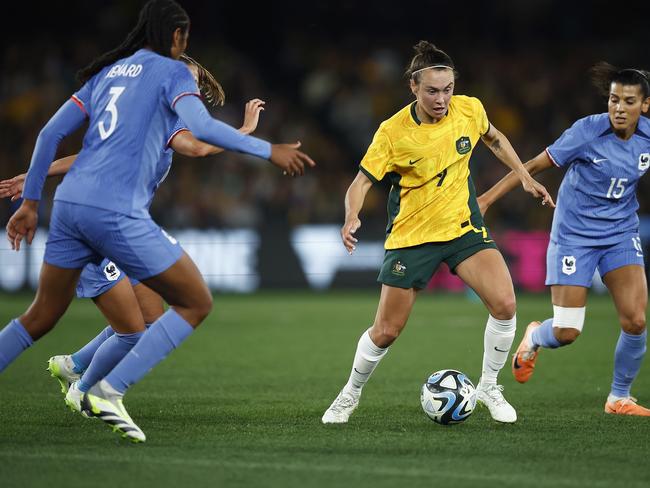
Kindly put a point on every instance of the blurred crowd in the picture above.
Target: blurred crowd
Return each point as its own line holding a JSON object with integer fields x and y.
{"x": 330, "y": 92}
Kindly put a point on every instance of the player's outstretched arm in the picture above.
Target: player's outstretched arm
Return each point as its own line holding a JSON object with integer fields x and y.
{"x": 287, "y": 157}
{"x": 186, "y": 144}
{"x": 13, "y": 187}
{"x": 536, "y": 165}
{"x": 354, "y": 199}
{"x": 22, "y": 224}
{"x": 502, "y": 149}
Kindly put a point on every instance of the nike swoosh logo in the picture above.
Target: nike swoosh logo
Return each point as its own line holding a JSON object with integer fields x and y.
{"x": 359, "y": 372}
{"x": 500, "y": 350}
{"x": 596, "y": 161}
{"x": 413, "y": 162}
{"x": 515, "y": 363}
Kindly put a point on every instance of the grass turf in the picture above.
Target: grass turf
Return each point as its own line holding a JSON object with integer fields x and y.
{"x": 239, "y": 404}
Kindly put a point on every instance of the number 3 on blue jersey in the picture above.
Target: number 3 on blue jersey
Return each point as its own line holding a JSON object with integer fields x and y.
{"x": 111, "y": 108}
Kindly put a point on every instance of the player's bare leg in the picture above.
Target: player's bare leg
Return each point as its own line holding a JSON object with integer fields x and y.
{"x": 183, "y": 288}
{"x": 487, "y": 274}
{"x": 151, "y": 304}
{"x": 56, "y": 288}
{"x": 395, "y": 305}
{"x": 629, "y": 290}
{"x": 568, "y": 297}
{"x": 560, "y": 330}
{"x": 127, "y": 308}
{"x": 55, "y": 291}
{"x": 120, "y": 308}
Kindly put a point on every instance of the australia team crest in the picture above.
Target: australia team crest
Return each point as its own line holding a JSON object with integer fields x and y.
{"x": 463, "y": 145}
{"x": 399, "y": 268}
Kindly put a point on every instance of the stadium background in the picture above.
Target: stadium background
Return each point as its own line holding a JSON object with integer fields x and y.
{"x": 330, "y": 73}
{"x": 239, "y": 404}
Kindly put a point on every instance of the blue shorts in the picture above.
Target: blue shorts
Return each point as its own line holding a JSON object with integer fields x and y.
{"x": 575, "y": 265}
{"x": 96, "y": 279}
{"x": 80, "y": 235}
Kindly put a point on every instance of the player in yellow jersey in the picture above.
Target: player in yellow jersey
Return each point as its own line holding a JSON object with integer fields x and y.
{"x": 433, "y": 217}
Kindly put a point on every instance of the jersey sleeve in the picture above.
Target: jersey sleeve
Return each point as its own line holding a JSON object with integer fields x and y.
{"x": 481, "y": 118}
{"x": 81, "y": 98}
{"x": 568, "y": 146}
{"x": 180, "y": 83}
{"x": 375, "y": 164}
{"x": 178, "y": 127}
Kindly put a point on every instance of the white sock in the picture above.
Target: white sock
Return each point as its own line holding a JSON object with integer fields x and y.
{"x": 497, "y": 341}
{"x": 366, "y": 359}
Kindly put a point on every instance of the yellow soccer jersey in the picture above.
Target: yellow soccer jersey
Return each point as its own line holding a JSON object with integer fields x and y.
{"x": 432, "y": 196}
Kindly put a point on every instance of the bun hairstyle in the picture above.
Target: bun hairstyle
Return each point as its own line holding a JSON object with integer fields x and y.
{"x": 604, "y": 74}
{"x": 428, "y": 56}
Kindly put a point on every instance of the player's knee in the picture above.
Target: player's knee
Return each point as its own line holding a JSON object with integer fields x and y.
{"x": 505, "y": 308}
{"x": 386, "y": 333}
{"x": 635, "y": 324}
{"x": 566, "y": 335}
{"x": 568, "y": 323}
{"x": 203, "y": 306}
{"x": 39, "y": 320}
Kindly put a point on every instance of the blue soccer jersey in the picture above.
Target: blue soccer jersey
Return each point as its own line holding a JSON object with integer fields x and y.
{"x": 121, "y": 151}
{"x": 164, "y": 162}
{"x": 97, "y": 279}
{"x": 597, "y": 204}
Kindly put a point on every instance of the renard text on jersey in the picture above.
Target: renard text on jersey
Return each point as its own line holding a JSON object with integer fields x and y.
{"x": 130, "y": 70}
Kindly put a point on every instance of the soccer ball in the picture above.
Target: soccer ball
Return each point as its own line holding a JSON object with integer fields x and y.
{"x": 448, "y": 397}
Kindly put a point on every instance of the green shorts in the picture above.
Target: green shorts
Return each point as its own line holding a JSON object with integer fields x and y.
{"x": 413, "y": 267}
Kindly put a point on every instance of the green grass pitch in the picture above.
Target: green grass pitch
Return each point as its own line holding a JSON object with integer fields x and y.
{"x": 239, "y": 404}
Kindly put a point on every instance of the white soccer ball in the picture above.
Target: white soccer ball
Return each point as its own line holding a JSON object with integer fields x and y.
{"x": 448, "y": 397}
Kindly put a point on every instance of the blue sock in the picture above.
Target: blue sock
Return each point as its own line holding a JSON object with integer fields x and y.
{"x": 630, "y": 350}
{"x": 83, "y": 356}
{"x": 108, "y": 354}
{"x": 164, "y": 335}
{"x": 543, "y": 336}
{"x": 14, "y": 339}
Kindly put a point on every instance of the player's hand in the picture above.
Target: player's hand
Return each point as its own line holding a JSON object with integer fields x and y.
{"x": 291, "y": 161}
{"x": 13, "y": 187}
{"x": 252, "y": 115}
{"x": 483, "y": 204}
{"x": 22, "y": 224}
{"x": 537, "y": 190}
{"x": 347, "y": 233}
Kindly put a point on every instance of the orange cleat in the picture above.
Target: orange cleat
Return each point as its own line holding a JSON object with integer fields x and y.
{"x": 626, "y": 406}
{"x": 523, "y": 361}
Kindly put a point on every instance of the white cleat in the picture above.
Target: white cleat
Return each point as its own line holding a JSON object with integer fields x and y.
{"x": 73, "y": 398}
{"x": 492, "y": 397}
{"x": 103, "y": 402}
{"x": 340, "y": 409}
{"x": 62, "y": 369}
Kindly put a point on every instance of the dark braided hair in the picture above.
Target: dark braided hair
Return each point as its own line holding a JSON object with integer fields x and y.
{"x": 211, "y": 89}
{"x": 426, "y": 55}
{"x": 604, "y": 74}
{"x": 155, "y": 29}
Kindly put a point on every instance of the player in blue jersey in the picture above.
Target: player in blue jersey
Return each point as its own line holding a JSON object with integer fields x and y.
{"x": 131, "y": 97}
{"x": 595, "y": 226}
{"x": 125, "y": 302}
